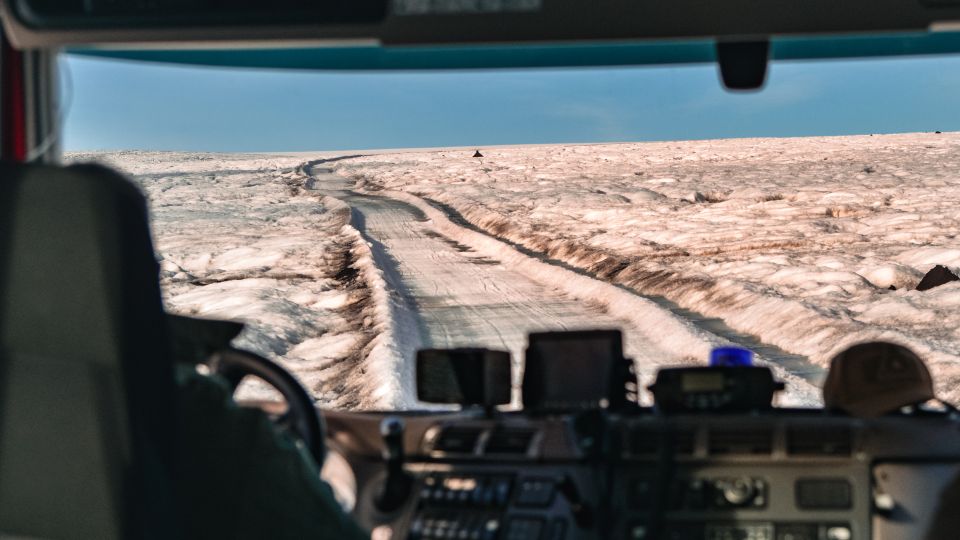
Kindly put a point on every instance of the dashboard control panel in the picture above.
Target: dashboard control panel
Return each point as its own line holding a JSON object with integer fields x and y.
{"x": 487, "y": 506}
{"x": 749, "y": 479}
{"x": 797, "y": 476}
{"x": 747, "y": 531}
{"x": 703, "y": 493}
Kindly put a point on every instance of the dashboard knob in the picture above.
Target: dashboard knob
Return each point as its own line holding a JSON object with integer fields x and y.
{"x": 738, "y": 491}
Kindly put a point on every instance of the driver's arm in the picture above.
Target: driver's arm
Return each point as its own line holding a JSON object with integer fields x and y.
{"x": 946, "y": 520}
{"x": 239, "y": 478}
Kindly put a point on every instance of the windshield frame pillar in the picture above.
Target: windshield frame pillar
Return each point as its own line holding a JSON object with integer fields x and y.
{"x": 30, "y": 116}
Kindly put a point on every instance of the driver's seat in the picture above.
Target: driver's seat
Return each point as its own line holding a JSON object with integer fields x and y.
{"x": 86, "y": 386}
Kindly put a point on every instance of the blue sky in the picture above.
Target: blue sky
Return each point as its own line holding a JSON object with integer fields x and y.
{"x": 127, "y": 105}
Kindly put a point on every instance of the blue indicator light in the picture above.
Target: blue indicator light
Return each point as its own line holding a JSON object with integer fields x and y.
{"x": 731, "y": 357}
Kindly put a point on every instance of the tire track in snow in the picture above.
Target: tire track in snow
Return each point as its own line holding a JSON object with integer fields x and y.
{"x": 794, "y": 363}
{"x": 656, "y": 331}
{"x": 450, "y": 295}
{"x": 687, "y": 335}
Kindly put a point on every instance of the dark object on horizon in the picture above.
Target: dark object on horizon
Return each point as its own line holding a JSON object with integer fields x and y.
{"x": 477, "y": 154}
{"x": 877, "y": 378}
{"x": 892, "y": 287}
{"x": 937, "y": 276}
{"x": 937, "y": 132}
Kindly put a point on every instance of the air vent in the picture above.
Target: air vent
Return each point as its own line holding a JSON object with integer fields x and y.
{"x": 458, "y": 440}
{"x": 648, "y": 441}
{"x": 819, "y": 440}
{"x": 741, "y": 440}
{"x": 507, "y": 441}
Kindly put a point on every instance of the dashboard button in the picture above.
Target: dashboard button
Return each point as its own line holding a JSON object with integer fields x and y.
{"x": 476, "y": 494}
{"x": 641, "y": 493}
{"x": 824, "y": 494}
{"x": 696, "y": 496}
{"x": 738, "y": 491}
{"x": 798, "y": 531}
{"x": 524, "y": 529}
{"x": 637, "y": 532}
{"x": 501, "y": 491}
{"x": 839, "y": 533}
{"x": 536, "y": 492}
{"x": 490, "y": 529}
{"x": 489, "y": 495}
{"x": 558, "y": 530}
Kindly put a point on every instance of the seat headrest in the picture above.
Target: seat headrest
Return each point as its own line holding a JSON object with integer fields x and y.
{"x": 80, "y": 307}
{"x": 78, "y": 262}
{"x": 876, "y": 378}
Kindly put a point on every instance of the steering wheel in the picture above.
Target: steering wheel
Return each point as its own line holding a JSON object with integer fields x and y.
{"x": 301, "y": 419}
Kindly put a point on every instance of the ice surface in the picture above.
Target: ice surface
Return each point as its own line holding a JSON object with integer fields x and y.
{"x": 240, "y": 239}
{"x": 789, "y": 244}
{"x": 794, "y": 241}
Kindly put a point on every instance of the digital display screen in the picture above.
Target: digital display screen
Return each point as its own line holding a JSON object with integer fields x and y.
{"x": 571, "y": 370}
{"x": 702, "y": 382}
{"x": 460, "y": 484}
{"x": 463, "y": 376}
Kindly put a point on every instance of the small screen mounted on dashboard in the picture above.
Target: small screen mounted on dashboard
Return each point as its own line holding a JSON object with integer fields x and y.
{"x": 702, "y": 382}
{"x": 574, "y": 371}
{"x": 463, "y": 376}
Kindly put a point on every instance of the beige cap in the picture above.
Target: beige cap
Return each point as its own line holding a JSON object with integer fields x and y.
{"x": 873, "y": 379}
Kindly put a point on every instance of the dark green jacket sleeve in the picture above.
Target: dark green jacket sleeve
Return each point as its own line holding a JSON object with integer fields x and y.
{"x": 238, "y": 478}
{"x": 946, "y": 520}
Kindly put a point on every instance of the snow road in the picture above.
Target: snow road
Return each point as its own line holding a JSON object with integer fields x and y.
{"x": 343, "y": 289}
{"x": 458, "y": 297}
{"x": 794, "y": 241}
{"x": 457, "y": 287}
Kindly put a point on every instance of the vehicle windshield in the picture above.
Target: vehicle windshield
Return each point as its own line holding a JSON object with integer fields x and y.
{"x": 351, "y": 219}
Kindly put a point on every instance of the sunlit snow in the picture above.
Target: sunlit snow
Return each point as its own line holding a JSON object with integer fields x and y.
{"x": 794, "y": 247}
{"x": 793, "y": 241}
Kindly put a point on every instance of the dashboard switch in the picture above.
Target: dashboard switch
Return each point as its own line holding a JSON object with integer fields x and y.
{"x": 641, "y": 493}
{"x": 558, "y": 530}
{"x": 696, "y": 496}
{"x": 740, "y": 492}
{"x": 839, "y": 533}
{"x": 536, "y": 492}
{"x": 490, "y": 529}
{"x": 524, "y": 529}
{"x": 581, "y": 510}
{"x": 824, "y": 494}
{"x": 501, "y": 491}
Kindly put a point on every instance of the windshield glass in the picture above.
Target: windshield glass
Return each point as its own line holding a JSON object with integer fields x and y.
{"x": 351, "y": 219}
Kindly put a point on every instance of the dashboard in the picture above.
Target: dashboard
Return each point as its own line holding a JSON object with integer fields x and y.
{"x": 786, "y": 474}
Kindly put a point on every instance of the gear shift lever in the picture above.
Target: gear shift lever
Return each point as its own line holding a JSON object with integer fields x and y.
{"x": 396, "y": 488}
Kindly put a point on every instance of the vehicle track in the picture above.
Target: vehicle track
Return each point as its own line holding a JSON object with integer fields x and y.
{"x": 459, "y": 297}
{"x": 794, "y": 363}
{"x": 462, "y": 298}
